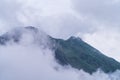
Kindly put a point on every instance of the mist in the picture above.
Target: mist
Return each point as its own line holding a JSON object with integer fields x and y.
{"x": 27, "y": 60}
{"x": 96, "y": 22}
{"x": 65, "y": 18}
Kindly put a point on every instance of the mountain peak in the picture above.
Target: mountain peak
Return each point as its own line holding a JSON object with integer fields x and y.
{"x": 75, "y": 38}
{"x": 80, "y": 55}
{"x": 27, "y": 35}
{"x": 74, "y": 51}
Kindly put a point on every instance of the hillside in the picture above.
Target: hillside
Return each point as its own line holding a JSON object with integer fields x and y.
{"x": 80, "y": 55}
{"x": 74, "y": 51}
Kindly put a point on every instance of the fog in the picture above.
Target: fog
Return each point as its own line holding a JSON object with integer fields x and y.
{"x": 27, "y": 60}
{"x": 65, "y": 18}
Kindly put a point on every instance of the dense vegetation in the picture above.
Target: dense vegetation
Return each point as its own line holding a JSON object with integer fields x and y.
{"x": 80, "y": 55}
{"x": 74, "y": 52}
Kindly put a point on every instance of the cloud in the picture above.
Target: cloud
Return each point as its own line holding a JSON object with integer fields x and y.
{"x": 48, "y": 15}
{"x": 24, "y": 13}
{"x": 107, "y": 41}
{"x": 64, "y": 18}
{"x": 96, "y": 21}
{"x": 67, "y": 16}
{"x": 31, "y": 61}
{"x": 103, "y": 11}
{"x": 104, "y": 17}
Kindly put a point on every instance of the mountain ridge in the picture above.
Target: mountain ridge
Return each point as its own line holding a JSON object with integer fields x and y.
{"x": 73, "y": 51}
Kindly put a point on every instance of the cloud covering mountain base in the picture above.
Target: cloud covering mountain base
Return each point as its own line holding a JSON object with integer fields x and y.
{"x": 19, "y": 61}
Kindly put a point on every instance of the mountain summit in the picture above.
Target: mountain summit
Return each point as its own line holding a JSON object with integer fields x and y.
{"x": 74, "y": 51}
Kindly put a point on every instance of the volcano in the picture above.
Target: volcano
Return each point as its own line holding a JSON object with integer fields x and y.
{"x": 73, "y": 51}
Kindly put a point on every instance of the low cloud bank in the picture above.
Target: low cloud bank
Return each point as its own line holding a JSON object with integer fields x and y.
{"x": 30, "y": 61}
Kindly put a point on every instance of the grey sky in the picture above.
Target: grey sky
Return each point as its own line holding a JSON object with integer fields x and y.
{"x": 76, "y": 15}
{"x": 95, "y": 21}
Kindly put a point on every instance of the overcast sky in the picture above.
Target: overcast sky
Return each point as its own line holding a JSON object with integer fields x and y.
{"x": 95, "y": 21}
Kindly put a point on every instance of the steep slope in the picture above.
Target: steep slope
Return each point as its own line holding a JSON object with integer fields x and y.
{"x": 74, "y": 51}
{"x": 81, "y": 55}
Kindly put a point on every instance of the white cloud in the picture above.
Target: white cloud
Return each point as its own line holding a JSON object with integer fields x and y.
{"x": 59, "y": 18}
{"x": 33, "y": 62}
{"x": 104, "y": 17}
{"x": 63, "y": 18}
{"x": 107, "y": 41}
{"x": 52, "y": 16}
{"x": 104, "y": 11}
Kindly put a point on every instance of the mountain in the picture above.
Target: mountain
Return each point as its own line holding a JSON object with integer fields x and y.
{"x": 73, "y": 51}
{"x": 16, "y": 34}
{"x": 80, "y": 55}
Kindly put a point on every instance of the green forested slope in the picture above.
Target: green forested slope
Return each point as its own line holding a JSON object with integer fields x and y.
{"x": 81, "y": 55}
